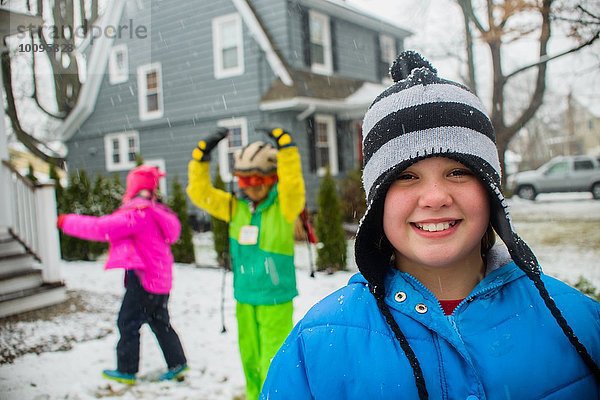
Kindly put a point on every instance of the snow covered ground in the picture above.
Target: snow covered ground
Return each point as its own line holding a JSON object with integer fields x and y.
{"x": 76, "y": 345}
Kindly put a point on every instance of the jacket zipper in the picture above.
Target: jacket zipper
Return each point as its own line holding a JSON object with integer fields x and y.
{"x": 467, "y": 299}
{"x": 419, "y": 284}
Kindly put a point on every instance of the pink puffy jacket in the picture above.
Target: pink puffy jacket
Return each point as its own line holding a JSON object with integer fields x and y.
{"x": 140, "y": 234}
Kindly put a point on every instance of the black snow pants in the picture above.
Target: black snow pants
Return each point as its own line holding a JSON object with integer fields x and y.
{"x": 139, "y": 307}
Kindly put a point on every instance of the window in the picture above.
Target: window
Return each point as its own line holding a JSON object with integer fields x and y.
{"x": 237, "y": 138}
{"x": 228, "y": 51}
{"x": 583, "y": 165}
{"x": 387, "y": 54}
{"x": 120, "y": 150}
{"x": 325, "y": 145}
{"x": 118, "y": 65}
{"x": 150, "y": 95}
{"x": 558, "y": 168}
{"x": 320, "y": 43}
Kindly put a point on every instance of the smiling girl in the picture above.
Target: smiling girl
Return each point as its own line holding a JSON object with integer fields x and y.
{"x": 438, "y": 311}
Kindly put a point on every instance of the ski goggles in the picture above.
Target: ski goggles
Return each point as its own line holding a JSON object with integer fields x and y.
{"x": 256, "y": 180}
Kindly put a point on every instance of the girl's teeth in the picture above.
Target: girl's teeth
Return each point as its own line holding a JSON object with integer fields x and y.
{"x": 435, "y": 227}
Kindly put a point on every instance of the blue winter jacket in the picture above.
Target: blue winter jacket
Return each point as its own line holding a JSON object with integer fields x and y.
{"x": 501, "y": 342}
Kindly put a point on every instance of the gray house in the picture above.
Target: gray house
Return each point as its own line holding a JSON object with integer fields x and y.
{"x": 166, "y": 73}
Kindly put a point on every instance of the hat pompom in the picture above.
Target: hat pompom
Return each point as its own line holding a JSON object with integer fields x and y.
{"x": 406, "y": 62}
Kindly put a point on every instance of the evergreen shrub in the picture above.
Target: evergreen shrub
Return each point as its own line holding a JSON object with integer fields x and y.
{"x": 183, "y": 249}
{"x": 331, "y": 251}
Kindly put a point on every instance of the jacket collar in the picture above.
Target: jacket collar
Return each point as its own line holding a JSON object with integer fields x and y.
{"x": 266, "y": 203}
{"x": 500, "y": 270}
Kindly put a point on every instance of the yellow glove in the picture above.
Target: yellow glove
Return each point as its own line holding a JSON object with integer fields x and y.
{"x": 202, "y": 151}
{"x": 282, "y": 138}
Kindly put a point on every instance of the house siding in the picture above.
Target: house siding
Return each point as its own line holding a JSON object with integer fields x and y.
{"x": 180, "y": 39}
{"x": 358, "y": 58}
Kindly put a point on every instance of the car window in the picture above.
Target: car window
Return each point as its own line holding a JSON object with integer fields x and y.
{"x": 558, "y": 168}
{"x": 583, "y": 165}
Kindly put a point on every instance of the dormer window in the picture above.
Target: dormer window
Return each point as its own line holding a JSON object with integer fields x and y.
{"x": 118, "y": 65}
{"x": 228, "y": 49}
{"x": 320, "y": 43}
{"x": 387, "y": 55}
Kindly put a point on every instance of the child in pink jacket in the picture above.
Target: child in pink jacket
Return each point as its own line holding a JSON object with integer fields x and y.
{"x": 140, "y": 234}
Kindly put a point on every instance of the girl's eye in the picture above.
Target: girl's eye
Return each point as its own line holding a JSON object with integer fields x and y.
{"x": 406, "y": 176}
{"x": 460, "y": 172}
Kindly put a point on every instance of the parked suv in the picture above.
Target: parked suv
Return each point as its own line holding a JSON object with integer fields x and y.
{"x": 560, "y": 174}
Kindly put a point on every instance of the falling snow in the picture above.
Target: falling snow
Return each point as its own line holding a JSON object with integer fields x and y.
{"x": 75, "y": 347}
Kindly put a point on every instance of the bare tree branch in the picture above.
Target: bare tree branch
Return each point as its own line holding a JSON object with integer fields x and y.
{"x": 467, "y": 8}
{"x": 540, "y": 84}
{"x": 27, "y": 139}
{"x": 34, "y": 95}
{"x": 501, "y": 32}
{"x": 547, "y": 58}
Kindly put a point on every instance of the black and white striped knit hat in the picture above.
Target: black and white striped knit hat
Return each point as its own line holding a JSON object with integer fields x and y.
{"x": 420, "y": 116}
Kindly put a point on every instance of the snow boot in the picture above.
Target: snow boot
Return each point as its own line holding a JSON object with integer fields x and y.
{"x": 116, "y": 375}
{"x": 175, "y": 374}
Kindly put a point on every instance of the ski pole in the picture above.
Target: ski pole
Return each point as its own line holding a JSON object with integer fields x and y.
{"x": 310, "y": 258}
{"x": 223, "y": 329}
{"x": 227, "y": 259}
{"x": 310, "y": 238}
{"x": 226, "y": 256}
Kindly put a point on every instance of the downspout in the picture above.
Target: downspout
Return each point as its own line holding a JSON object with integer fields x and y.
{"x": 306, "y": 113}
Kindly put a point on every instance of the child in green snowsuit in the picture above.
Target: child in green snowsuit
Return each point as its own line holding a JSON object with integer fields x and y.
{"x": 261, "y": 237}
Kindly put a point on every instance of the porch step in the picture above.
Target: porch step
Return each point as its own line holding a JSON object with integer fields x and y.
{"x": 20, "y": 280}
{"x": 31, "y": 299}
{"x": 4, "y": 233}
{"x": 16, "y": 262}
{"x": 10, "y": 246}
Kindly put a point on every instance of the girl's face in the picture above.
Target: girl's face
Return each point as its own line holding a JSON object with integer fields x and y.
{"x": 435, "y": 215}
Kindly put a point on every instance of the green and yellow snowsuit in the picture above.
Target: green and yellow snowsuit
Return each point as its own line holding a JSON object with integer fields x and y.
{"x": 263, "y": 272}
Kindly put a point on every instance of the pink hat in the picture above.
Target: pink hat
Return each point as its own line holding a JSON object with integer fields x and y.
{"x": 140, "y": 178}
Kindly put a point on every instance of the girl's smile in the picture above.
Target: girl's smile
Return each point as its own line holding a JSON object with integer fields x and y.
{"x": 436, "y": 227}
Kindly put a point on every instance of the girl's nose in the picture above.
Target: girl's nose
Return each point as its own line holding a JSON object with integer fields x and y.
{"x": 435, "y": 195}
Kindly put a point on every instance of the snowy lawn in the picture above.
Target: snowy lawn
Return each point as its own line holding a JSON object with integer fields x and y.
{"x": 75, "y": 345}
{"x": 195, "y": 303}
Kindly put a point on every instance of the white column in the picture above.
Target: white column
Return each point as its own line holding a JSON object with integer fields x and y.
{"x": 48, "y": 242}
{"x": 5, "y": 187}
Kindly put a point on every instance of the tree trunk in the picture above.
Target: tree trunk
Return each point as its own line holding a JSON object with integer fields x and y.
{"x": 29, "y": 141}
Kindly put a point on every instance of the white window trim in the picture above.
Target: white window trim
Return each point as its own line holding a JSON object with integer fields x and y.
{"x": 123, "y": 137}
{"x": 142, "y": 102}
{"x": 329, "y": 120}
{"x": 327, "y": 67}
{"x": 116, "y": 75}
{"x": 382, "y": 38}
{"x": 219, "y": 71}
{"x": 223, "y": 149}
{"x": 162, "y": 182}
{"x": 392, "y": 41}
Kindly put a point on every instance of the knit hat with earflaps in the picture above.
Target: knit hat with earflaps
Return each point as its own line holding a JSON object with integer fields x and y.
{"x": 420, "y": 116}
{"x": 257, "y": 158}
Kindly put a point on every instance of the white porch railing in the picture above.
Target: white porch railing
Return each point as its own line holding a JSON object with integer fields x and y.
{"x": 34, "y": 220}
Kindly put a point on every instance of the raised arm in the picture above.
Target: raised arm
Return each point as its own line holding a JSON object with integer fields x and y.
{"x": 292, "y": 195}
{"x": 200, "y": 190}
